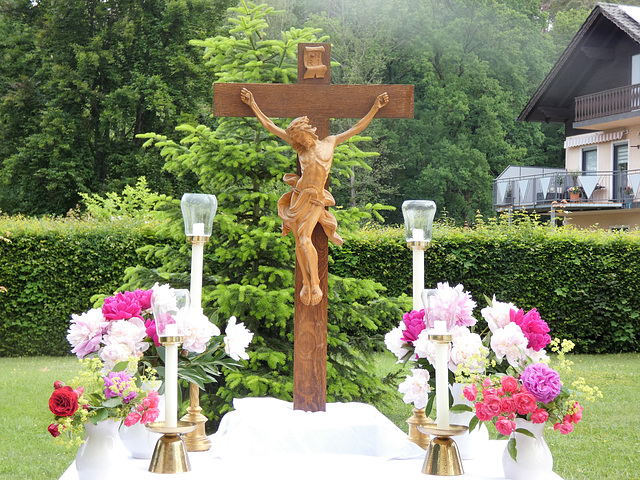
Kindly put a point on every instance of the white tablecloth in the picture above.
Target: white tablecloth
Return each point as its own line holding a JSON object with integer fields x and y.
{"x": 266, "y": 439}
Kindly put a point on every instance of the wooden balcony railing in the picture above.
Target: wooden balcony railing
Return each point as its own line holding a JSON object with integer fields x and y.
{"x": 610, "y": 102}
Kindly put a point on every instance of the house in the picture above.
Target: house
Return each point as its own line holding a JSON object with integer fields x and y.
{"x": 594, "y": 90}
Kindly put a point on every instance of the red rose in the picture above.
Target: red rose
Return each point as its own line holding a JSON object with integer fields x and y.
{"x": 53, "y": 429}
{"x": 63, "y": 402}
{"x": 505, "y": 426}
{"x": 470, "y": 392}
{"x": 493, "y": 404}
{"x": 483, "y": 413}
{"x": 57, "y": 384}
{"x": 509, "y": 383}
{"x": 507, "y": 405}
{"x": 539, "y": 416}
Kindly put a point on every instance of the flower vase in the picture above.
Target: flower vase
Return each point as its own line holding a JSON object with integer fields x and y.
{"x": 470, "y": 444}
{"x": 534, "y": 459}
{"x": 138, "y": 439}
{"x": 102, "y": 454}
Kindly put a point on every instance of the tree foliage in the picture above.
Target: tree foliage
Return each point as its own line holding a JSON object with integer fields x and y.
{"x": 79, "y": 80}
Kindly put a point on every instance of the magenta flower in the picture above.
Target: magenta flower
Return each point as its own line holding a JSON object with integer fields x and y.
{"x": 542, "y": 381}
{"x": 121, "y": 307}
{"x": 414, "y": 324}
{"x": 152, "y": 332}
{"x": 534, "y": 328}
{"x": 119, "y": 384}
{"x": 143, "y": 297}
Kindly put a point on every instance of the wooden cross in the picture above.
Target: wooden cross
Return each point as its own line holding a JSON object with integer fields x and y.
{"x": 313, "y": 96}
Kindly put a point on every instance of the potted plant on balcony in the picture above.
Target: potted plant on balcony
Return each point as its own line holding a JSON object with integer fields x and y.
{"x": 574, "y": 193}
{"x": 628, "y": 194}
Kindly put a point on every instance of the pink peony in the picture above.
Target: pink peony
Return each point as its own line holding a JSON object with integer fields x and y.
{"x": 152, "y": 333}
{"x": 509, "y": 384}
{"x": 143, "y": 297}
{"x": 121, "y": 307}
{"x": 525, "y": 403}
{"x": 542, "y": 381}
{"x": 540, "y": 416}
{"x": 132, "y": 419}
{"x": 452, "y": 305}
{"x": 413, "y": 325}
{"x": 85, "y": 332}
{"x": 498, "y": 314}
{"x": 470, "y": 392}
{"x": 510, "y": 342}
{"x": 505, "y": 426}
{"x": 534, "y": 328}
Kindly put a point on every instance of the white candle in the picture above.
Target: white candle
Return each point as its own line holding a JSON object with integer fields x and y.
{"x": 197, "y": 260}
{"x": 442, "y": 384}
{"x": 418, "y": 278}
{"x": 170, "y": 330}
{"x": 417, "y": 235}
{"x": 198, "y": 229}
{"x": 439, "y": 327}
{"x": 171, "y": 385}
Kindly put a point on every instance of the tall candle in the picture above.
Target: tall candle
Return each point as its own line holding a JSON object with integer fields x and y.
{"x": 418, "y": 278}
{"x": 442, "y": 383}
{"x": 417, "y": 235}
{"x": 195, "y": 290}
{"x": 171, "y": 385}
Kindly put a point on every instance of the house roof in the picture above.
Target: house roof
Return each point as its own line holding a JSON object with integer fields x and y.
{"x": 598, "y": 36}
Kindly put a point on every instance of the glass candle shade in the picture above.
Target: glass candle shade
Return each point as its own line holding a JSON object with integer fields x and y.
{"x": 169, "y": 306}
{"x": 198, "y": 211}
{"x": 418, "y": 221}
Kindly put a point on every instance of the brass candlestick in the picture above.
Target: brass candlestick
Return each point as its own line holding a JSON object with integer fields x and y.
{"x": 443, "y": 457}
{"x": 197, "y": 440}
{"x": 170, "y": 454}
{"x": 416, "y": 420}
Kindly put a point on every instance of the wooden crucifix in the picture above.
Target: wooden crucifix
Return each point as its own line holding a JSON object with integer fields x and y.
{"x": 316, "y": 101}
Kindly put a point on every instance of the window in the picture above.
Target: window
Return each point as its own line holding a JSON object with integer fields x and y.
{"x": 590, "y": 160}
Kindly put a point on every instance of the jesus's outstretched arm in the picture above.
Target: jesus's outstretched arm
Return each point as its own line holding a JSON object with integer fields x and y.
{"x": 247, "y": 97}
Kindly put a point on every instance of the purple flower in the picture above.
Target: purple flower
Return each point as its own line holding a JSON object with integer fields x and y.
{"x": 414, "y": 324}
{"x": 542, "y": 381}
{"x": 119, "y": 384}
{"x": 534, "y": 328}
{"x": 121, "y": 307}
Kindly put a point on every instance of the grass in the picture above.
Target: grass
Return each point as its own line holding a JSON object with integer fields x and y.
{"x": 604, "y": 445}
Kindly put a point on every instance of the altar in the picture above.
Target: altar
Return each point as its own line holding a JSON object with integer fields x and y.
{"x": 267, "y": 438}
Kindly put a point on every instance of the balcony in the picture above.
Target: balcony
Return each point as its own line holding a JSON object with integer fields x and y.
{"x": 613, "y": 105}
{"x": 526, "y": 188}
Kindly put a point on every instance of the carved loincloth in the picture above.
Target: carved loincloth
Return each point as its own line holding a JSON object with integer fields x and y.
{"x": 294, "y": 211}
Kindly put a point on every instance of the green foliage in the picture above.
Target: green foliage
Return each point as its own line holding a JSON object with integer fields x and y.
{"x": 51, "y": 268}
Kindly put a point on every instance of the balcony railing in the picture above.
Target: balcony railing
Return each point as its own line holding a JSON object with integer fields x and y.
{"x": 610, "y": 102}
{"x": 601, "y": 189}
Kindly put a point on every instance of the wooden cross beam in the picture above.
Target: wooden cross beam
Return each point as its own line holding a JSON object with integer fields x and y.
{"x": 314, "y": 97}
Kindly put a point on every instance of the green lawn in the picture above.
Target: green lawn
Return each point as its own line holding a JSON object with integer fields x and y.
{"x": 604, "y": 445}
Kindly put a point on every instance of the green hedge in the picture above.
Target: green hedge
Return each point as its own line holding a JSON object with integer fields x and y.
{"x": 51, "y": 269}
{"x": 583, "y": 283}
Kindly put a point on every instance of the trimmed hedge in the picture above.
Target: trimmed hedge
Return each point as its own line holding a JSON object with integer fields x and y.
{"x": 583, "y": 284}
{"x": 51, "y": 269}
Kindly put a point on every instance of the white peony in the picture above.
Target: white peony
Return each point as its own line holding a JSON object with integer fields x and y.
{"x": 131, "y": 332}
{"x": 424, "y": 347}
{"x": 510, "y": 342}
{"x": 416, "y": 388}
{"x": 197, "y": 330}
{"x": 238, "y": 337}
{"x": 467, "y": 350}
{"x": 395, "y": 344}
{"x": 114, "y": 353}
{"x": 498, "y": 315}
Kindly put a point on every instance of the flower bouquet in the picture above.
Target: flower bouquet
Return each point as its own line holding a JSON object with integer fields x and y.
{"x": 574, "y": 189}
{"x": 95, "y": 395}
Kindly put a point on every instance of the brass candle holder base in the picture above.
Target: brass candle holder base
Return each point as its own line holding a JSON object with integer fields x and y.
{"x": 443, "y": 457}
{"x": 419, "y": 419}
{"x": 170, "y": 454}
{"x": 197, "y": 440}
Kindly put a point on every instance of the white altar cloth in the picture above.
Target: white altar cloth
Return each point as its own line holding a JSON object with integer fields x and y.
{"x": 265, "y": 438}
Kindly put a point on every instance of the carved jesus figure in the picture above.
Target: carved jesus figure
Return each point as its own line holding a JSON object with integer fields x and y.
{"x": 304, "y": 206}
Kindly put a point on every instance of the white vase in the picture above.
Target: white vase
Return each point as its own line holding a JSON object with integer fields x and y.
{"x": 534, "y": 460}
{"x": 138, "y": 439}
{"x": 102, "y": 454}
{"x": 470, "y": 444}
